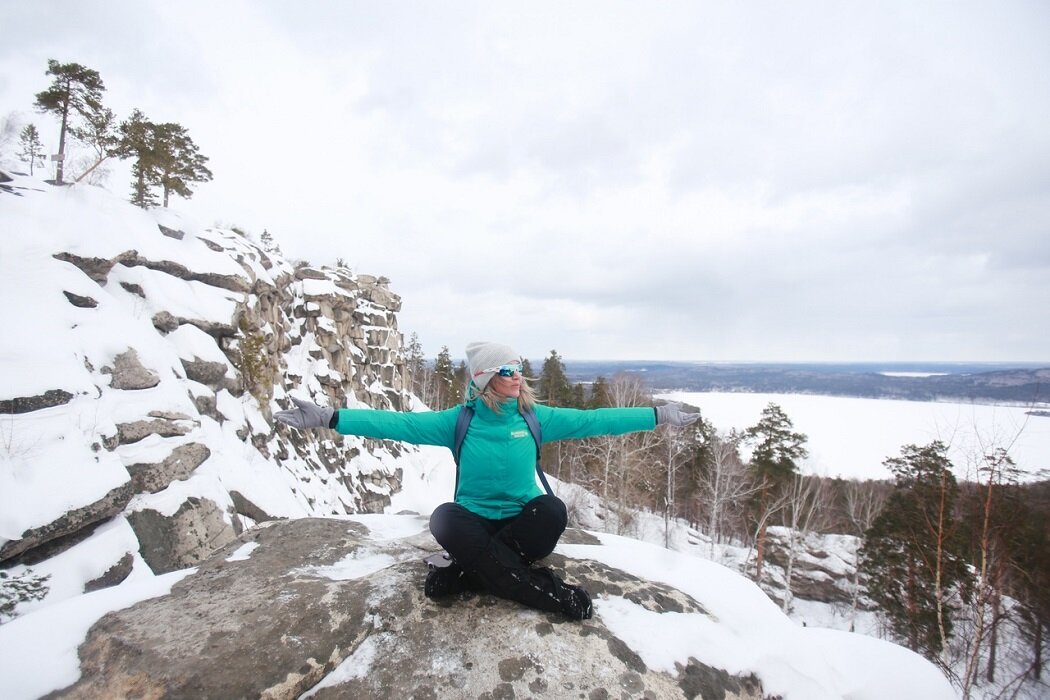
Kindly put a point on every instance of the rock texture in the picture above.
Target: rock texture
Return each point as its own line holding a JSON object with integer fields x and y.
{"x": 818, "y": 570}
{"x": 207, "y": 334}
{"x": 310, "y": 594}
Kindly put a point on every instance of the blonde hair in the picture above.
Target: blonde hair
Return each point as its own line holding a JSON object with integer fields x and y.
{"x": 526, "y": 397}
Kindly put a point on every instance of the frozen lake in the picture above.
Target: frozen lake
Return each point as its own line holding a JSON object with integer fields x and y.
{"x": 852, "y": 438}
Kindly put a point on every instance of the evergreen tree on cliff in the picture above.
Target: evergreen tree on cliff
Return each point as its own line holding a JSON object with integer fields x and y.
{"x": 599, "y": 394}
{"x": 416, "y": 368}
{"x": 445, "y": 378}
{"x": 773, "y": 462}
{"x": 137, "y": 141}
{"x": 554, "y": 388}
{"x": 32, "y": 149}
{"x": 75, "y": 91}
{"x": 165, "y": 157}
{"x": 180, "y": 163}
{"x": 911, "y": 554}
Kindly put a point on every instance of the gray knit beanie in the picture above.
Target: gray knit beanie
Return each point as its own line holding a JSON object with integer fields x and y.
{"x": 483, "y": 355}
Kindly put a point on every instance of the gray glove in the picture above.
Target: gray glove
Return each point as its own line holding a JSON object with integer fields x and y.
{"x": 305, "y": 415}
{"x": 671, "y": 414}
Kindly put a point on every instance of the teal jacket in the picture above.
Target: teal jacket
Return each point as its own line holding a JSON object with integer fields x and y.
{"x": 497, "y": 467}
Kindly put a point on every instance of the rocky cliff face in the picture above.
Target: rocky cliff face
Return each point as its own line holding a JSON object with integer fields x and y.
{"x": 142, "y": 367}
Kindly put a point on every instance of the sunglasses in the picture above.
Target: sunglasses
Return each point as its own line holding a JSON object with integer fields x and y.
{"x": 508, "y": 370}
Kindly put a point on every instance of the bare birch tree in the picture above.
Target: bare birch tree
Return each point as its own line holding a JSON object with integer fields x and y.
{"x": 998, "y": 472}
{"x": 807, "y": 498}
{"x": 864, "y": 501}
{"x": 723, "y": 481}
{"x": 625, "y": 461}
{"x": 769, "y": 506}
{"x": 678, "y": 445}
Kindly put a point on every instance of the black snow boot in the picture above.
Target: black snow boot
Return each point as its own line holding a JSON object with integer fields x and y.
{"x": 504, "y": 575}
{"x": 449, "y": 580}
{"x": 575, "y": 602}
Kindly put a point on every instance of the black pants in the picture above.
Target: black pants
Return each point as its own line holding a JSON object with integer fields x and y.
{"x": 532, "y": 534}
{"x": 499, "y": 552}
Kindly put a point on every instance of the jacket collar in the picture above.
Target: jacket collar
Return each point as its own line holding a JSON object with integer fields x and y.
{"x": 509, "y": 408}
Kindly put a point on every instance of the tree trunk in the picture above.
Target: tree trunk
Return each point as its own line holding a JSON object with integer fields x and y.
{"x": 938, "y": 586}
{"x": 984, "y": 593}
{"x": 87, "y": 172}
{"x": 1037, "y": 666}
{"x": 854, "y": 597}
{"x": 760, "y": 541}
{"x": 59, "y": 169}
{"x": 712, "y": 526}
{"x": 913, "y": 627}
{"x": 993, "y": 640}
{"x": 786, "y": 605}
{"x": 669, "y": 496}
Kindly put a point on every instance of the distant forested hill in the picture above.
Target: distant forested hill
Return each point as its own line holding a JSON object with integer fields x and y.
{"x": 911, "y": 381}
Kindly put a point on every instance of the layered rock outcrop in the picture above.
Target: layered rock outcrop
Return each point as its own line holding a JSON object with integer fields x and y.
{"x": 168, "y": 348}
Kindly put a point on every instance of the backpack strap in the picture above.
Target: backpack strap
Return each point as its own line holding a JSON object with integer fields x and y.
{"x": 466, "y": 414}
{"x": 537, "y": 435}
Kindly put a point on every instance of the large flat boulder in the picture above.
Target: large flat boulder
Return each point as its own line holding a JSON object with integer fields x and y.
{"x": 295, "y": 602}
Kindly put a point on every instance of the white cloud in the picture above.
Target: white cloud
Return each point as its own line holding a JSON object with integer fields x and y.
{"x": 804, "y": 181}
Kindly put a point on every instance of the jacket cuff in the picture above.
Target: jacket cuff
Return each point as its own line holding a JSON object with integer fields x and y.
{"x": 334, "y": 420}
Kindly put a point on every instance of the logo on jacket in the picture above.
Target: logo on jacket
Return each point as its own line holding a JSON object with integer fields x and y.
{"x": 519, "y": 433}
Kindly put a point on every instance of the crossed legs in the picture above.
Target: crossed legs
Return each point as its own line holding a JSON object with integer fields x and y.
{"x": 497, "y": 555}
{"x": 532, "y": 534}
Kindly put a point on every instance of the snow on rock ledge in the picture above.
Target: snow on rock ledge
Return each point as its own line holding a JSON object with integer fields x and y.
{"x": 149, "y": 357}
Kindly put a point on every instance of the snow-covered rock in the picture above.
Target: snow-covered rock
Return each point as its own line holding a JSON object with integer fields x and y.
{"x": 334, "y": 608}
{"x": 142, "y": 359}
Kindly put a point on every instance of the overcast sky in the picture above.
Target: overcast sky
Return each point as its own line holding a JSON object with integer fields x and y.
{"x": 672, "y": 180}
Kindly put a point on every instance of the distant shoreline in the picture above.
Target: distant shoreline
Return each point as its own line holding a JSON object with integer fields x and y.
{"x": 1022, "y": 384}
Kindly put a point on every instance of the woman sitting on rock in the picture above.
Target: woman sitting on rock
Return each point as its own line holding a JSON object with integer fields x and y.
{"x": 501, "y": 521}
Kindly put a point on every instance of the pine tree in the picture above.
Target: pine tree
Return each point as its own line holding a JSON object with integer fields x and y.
{"x": 416, "y": 368}
{"x": 271, "y": 246}
{"x": 32, "y": 148}
{"x": 445, "y": 379}
{"x": 553, "y": 387}
{"x": 911, "y": 555}
{"x": 1032, "y": 554}
{"x": 179, "y": 163}
{"x": 599, "y": 394}
{"x": 579, "y": 396}
{"x": 165, "y": 157}
{"x": 137, "y": 141}
{"x": 776, "y": 447}
{"x": 459, "y": 384}
{"x": 75, "y": 92}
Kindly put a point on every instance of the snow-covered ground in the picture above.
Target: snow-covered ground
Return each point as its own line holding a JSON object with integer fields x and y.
{"x": 743, "y": 633}
{"x": 851, "y": 437}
